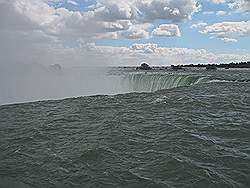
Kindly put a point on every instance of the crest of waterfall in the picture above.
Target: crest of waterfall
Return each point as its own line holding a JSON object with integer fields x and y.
{"x": 153, "y": 82}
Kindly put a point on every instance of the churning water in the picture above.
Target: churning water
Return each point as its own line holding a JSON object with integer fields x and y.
{"x": 187, "y": 129}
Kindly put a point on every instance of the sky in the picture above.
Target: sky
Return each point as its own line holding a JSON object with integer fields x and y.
{"x": 123, "y": 32}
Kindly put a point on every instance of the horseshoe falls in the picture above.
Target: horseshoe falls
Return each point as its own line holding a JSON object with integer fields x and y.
{"x": 153, "y": 82}
{"x": 146, "y": 129}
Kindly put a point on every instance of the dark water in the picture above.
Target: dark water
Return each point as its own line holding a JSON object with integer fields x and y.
{"x": 197, "y": 135}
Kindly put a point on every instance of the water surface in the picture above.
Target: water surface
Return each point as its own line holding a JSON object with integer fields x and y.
{"x": 187, "y": 129}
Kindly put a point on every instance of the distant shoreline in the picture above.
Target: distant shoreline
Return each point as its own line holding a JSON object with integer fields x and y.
{"x": 245, "y": 64}
{"x": 229, "y": 65}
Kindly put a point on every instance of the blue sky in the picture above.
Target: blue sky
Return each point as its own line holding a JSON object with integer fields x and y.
{"x": 190, "y": 37}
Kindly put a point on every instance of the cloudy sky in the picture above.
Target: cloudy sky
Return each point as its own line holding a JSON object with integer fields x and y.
{"x": 123, "y": 32}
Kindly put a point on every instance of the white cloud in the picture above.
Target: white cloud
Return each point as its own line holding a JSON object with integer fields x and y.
{"x": 110, "y": 10}
{"x": 167, "y": 30}
{"x": 238, "y": 5}
{"x": 228, "y": 31}
{"x": 218, "y": 1}
{"x": 199, "y": 25}
{"x": 72, "y": 2}
{"x": 226, "y": 40}
{"x": 221, "y": 13}
{"x": 208, "y": 12}
{"x": 154, "y": 54}
{"x": 144, "y": 48}
{"x": 135, "y": 31}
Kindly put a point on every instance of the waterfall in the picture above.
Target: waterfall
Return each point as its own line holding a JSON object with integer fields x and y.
{"x": 154, "y": 81}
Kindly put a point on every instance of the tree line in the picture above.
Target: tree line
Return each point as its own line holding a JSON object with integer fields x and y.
{"x": 245, "y": 64}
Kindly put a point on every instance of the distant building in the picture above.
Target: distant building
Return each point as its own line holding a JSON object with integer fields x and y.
{"x": 144, "y": 66}
{"x": 55, "y": 67}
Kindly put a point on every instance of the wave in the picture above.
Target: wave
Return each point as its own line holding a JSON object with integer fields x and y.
{"x": 155, "y": 82}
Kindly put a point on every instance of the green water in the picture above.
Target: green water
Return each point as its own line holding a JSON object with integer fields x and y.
{"x": 193, "y": 133}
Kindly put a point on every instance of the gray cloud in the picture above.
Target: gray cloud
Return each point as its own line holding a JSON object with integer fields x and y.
{"x": 174, "y": 10}
{"x": 240, "y": 5}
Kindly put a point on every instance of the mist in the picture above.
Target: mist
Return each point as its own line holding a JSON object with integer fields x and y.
{"x": 25, "y": 83}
